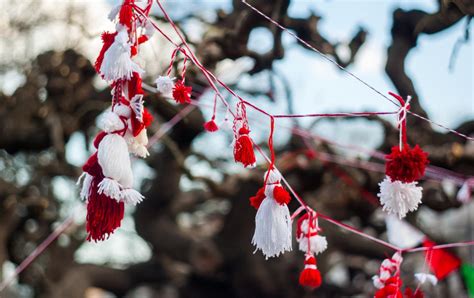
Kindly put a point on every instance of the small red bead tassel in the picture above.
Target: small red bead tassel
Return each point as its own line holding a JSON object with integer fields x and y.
{"x": 243, "y": 150}
{"x": 211, "y": 126}
{"x": 182, "y": 93}
{"x": 310, "y": 276}
{"x": 407, "y": 165}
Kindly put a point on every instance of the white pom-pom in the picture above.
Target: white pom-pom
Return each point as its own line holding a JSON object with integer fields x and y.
{"x": 114, "y": 12}
{"x": 274, "y": 176}
{"x": 272, "y": 228}
{"x": 318, "y": 244}
{"x": 131, "y": 196}
{"x": 114, "y": 160}
{"x": 110, "y": 122}
{"x": 122, "y": 110}
{"x": 164, "y": 85}
{"x": 86, "y": 185}
{"x": 424, "y": 277}
{"x": 110, "y": 188}
{"x": 117, "y": 63}
{"x": 399, "y": 198}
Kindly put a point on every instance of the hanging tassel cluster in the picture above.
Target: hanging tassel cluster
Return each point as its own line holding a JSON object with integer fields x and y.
{"x": 388, "y": 282}
{"x": 107, "y": 180}
{"x": 307, "y": 235}
{"x": 273, "y": 222}
{"x": 399, "y": 193}
{"x": 243, "y": 144}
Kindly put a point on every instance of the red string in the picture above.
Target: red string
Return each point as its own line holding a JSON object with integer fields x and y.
{"x": 352, "y": 114}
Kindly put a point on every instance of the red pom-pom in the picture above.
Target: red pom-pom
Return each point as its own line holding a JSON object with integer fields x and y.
{"x": 126, "y": 14}
{"x": 281, "y": 195}
{"x": 211, "y": 126}
{"x": 107, "y": 40}
{"x": 310, "y": 276}
{"x": 256, "y": 200}
{"x": 407, "y": 165}
{"x": 182, "y": 93}
{"x": 243, "y": 149}
{"x": 104, "y": 214}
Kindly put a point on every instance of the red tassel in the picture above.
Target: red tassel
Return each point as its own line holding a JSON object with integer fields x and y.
{"x": 407, "y": 165}
{"x": 310, "y": 276}
{"x": 182, "y": 93}
{"x": 256, "y": 200}
{"x": 107, "y": 40}
{"x": 441, "y": 261}
{"x": 211, "y": 126}
{"x": 281, "y": 195}
{"x": 392, "y": 288}
{"x": 104, "y": 214}
{"x": 243, "y": 150}
{"x": 126, "y": 14}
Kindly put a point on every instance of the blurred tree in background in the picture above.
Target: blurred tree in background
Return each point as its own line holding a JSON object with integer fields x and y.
{"x": 193, "y": 231}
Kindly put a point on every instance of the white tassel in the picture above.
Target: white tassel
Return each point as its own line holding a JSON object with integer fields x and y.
{"x": 137, "y": 145}
{"x": 114, "y": 160}
{"x": 272, "y": 228}
{"x": 110, "y": 188}
{"x": 318, "y": 244}
{"x": 424, "y": 277}
{"x": 110, "y": 122}
{"x": 114, "y": 12}
{"x": 399, "y": 198}
{"x": 117, "y": 63}
{"x": 86, "y": 185}
{"x": 164, "y": 85}
{"x": 131, "y": 196}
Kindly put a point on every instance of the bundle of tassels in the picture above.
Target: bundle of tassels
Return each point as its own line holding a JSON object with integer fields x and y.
{"x": 108, "y": 179}
{"x": 273, "y": 222}
{"x": 399, "y": 193}
{"x": 243, "y": 144}
{"x": 388, "y": 282}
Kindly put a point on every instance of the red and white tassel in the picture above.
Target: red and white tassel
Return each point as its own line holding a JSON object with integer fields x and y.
{"x": 310, "y": 276}
{"x": 243, "y": 144}
{"x": 399, "y": 193}
{"x": 117, "y": 61}
{"x": 273, "y": 222}
{"x": 388, "y": 282}
{"x": 307, "y": 235}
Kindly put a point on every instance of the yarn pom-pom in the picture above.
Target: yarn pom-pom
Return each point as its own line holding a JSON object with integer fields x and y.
{"x": 318, "y": 244}
{"x": 256, "y": 200}
{"x": 399, "y": 198}
{"x": 164, "y": 85}
{"x": 407, "y": 165}
{"x": 182, "y": 93}
{"x": 281, "y": 195}
{"x": 310, "y": 276}
{"x": 211, "y": 126}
